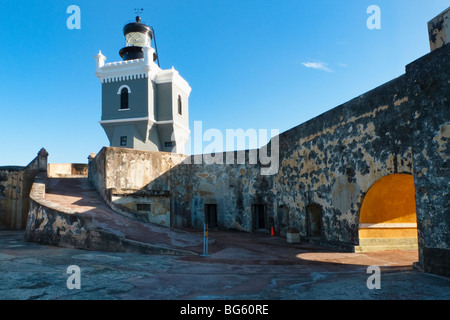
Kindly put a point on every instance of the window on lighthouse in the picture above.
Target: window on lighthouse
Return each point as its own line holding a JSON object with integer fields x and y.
{"x": 180, "y": 106}
{"x": 124, "y": 98}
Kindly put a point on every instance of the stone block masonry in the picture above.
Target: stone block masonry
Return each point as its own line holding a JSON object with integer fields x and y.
{"x": 15, "y": 186}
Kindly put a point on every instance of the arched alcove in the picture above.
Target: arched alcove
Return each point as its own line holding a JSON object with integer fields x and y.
{"x": 387, "y": 218}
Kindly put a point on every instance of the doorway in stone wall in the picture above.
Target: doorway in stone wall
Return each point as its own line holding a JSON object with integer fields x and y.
{"x": 211, "y": 215}
{"x": 259, "y": 215}
{"x": 387, "y": 219}
{"x": 314, "y": 220}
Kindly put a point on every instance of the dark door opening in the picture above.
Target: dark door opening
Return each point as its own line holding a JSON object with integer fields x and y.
{"x": 211, "y": 215}
{"x": 259, "y": 216}
{"x": 314, "y": 220}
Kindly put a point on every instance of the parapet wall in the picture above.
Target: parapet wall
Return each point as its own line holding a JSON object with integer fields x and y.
{"x": 51, "y": 224}
{"x": 135, "y": 183}
{"x": 68, "y": 170}
{"x": 15, "y": 186}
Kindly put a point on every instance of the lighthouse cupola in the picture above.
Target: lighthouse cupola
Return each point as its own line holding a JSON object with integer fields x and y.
{"x": 137, "y": 36}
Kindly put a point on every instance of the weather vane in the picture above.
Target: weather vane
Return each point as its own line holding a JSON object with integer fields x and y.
{"x": 138, "y": 11}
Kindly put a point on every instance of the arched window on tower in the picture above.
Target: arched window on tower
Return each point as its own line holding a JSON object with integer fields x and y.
{"x": 124, "y": 99}
{"x": 180, "y": 106}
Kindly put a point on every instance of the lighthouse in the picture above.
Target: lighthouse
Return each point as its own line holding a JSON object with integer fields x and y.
{"x": 143, "y": 106}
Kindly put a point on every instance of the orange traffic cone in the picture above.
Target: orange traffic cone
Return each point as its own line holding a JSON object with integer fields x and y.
{"x": 272, "y": 233}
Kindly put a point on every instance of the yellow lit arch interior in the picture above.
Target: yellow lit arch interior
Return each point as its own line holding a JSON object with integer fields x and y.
{"x": 389, "y": 212}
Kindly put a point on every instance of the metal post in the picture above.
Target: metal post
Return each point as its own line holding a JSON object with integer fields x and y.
{"x": 205, "y": 241}
{"x": 204, "y": 238}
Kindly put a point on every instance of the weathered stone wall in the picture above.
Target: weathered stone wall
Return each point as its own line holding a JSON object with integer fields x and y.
{"x": 96, "y": 172}
{"x": 15, "y": 186}
{"x": 331, "y": 161}
{"x": 126, "y": 178}
{"x": 234, "y": 188}
{"x": 327, "y": 164}
{"x": 400, "y": 127}
{"x": 120, "y": 168}
{"x": 177, "y": 189}
{"x": 14, "y": 189}
{"x": 429, "y": 80}
{"x": 61, "y": 170}
{"x": 439, "y": 30}
{"x": 334, "y": 159}
{"x": 51, "y": 224}
{"x": 144, "y": 205}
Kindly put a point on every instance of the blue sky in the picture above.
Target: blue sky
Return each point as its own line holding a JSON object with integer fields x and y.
{"x": 251, "y": 64}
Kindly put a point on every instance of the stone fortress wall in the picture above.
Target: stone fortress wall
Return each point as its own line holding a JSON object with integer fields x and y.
{"x": 398, "y": 132}
{"x": 329, "y": 186}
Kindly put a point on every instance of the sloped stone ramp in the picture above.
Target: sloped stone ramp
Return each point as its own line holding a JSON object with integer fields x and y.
{"x": 68, "y": 212}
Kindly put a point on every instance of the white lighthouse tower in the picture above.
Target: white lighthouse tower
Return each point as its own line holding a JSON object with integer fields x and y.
{"x": 143, "y": 106}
